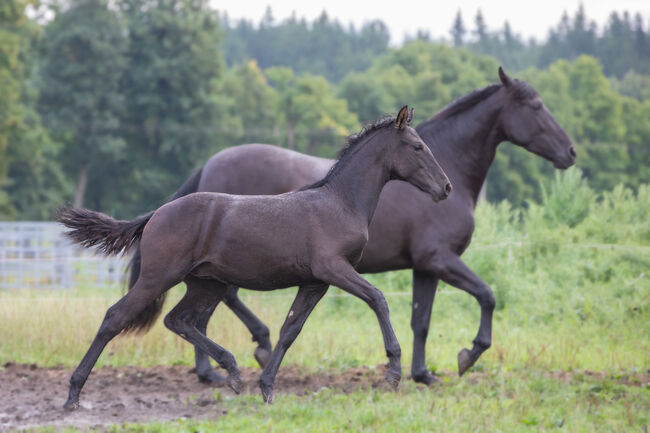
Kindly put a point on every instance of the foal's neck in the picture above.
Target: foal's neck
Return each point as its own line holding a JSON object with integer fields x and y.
{"x": 360, "y": 180}
{"x": 465, "y": 143}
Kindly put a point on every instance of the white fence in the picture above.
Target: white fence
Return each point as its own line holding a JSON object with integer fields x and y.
{"x": 37, "y": 255}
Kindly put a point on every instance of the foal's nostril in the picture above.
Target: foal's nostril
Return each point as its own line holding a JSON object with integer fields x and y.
{"x": 572, "y": 151}
{"x": 448, "y": 188}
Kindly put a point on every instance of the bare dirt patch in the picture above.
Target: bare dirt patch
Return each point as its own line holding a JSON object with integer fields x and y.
{"x": 31, "y": 396}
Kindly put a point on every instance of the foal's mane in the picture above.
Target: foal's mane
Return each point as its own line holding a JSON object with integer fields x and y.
{"x": 352, "y": 142}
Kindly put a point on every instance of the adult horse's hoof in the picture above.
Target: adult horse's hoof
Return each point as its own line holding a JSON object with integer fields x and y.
{"x": 425, "y": 377}
{"x": 235, "y": 383}
{"x": 211, "y": 377}
{"x": 262, "y": 356}
{"x": 393, "y": 378}
{"x": 464, "y": 361}
{"x": 71, "y": 405}
{"x": 267, "y": 393}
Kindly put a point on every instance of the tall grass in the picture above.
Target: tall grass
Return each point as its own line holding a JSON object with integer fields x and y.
{"x": 570, "y": 275}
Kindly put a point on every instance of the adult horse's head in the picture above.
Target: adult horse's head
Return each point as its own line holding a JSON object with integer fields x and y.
{"x": 413, "y": 162}
{"x": 526, "y": 122}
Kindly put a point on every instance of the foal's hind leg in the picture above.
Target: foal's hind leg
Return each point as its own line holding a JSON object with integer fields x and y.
{"x": 117, "y": 318}
{"x": 204, "y": 370}
{"x": 306, "y": 300}
{"x": 202, "y": 295}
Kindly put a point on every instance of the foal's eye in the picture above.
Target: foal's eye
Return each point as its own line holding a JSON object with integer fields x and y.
{"x": 536, "y": 105}
{"x": 419, "y": 147}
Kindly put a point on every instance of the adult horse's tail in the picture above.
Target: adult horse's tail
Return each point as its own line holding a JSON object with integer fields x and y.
{"x": 148, "y": 316}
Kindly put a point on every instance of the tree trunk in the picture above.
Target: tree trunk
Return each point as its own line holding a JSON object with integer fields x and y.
{"x": 80, "y": 190}
{"x": 291, "y": 136}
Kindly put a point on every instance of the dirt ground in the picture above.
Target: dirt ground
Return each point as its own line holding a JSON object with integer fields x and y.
{"x": 32, "y": 396}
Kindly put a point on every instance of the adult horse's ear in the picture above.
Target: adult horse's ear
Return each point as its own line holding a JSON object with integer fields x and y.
{"x": 408, "y": 119}
{"x": 505, "y": 79}
{"x": 402, "y": 117}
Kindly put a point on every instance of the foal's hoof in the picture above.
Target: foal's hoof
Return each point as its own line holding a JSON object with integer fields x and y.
{"x": 71, "y": 405}
{"x": 262, "y": 356}
{"x": 235, "y": 383}
{"x": 267, "y": 393}
{"x": 393, "y": 378}
{"x": 464, "y": 361}
{"x": 425, "y": 377}
{"x": 211, "y": 377}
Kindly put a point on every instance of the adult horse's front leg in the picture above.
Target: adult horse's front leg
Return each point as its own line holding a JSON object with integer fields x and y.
{"x": 201, "y": 296}
{"x": 258, "y": 329}
{"x": 340, "y": 273}
{"x": 453, "y": 271}
{"x": 424, "y": 292}
{"x": 303, "y": 304}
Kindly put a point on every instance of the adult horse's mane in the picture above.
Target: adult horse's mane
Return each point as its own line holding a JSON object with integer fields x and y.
{"x": 522, "y": 91}
{"x": 352, "y": 142}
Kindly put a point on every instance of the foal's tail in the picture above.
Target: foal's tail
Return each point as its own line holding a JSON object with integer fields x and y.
{"x": 94, "y": 229}
{"x": 148, "y": 316}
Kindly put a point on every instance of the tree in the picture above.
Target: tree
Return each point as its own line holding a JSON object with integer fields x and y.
{"x": 80, "y": 101}
{"x": 31, "y": 184}
{"x": 314, "y": 120}
{"x": 174, "y": 117}
{"x": 458, "y": 30}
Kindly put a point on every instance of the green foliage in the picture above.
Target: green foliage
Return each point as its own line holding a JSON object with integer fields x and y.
{"x": 174, "y": 116}
{"x": 31, "y": 182}
{"x": 323, "y": 47}
{"x": 80, "y": 101}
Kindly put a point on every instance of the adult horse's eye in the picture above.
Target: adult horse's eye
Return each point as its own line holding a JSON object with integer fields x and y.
{"x": 419, "y": 147}
{"x": 536, "y": 105}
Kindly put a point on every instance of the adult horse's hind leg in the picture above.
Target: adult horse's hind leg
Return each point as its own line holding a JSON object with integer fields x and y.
{"x": 202, "y": 295}
{"x": 258, "y": 329}
{"x": 117, "y": 318}
{"x": 306, "y": 300}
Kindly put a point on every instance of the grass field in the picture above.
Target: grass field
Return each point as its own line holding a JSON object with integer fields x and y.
{"x": 573, "y": 296}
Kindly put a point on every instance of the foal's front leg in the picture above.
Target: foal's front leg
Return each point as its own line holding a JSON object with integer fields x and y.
{"x": 340, "y": 273}
{"x": 306, "y": 300}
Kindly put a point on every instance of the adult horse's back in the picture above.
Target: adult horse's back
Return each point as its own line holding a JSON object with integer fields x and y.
{"x": 409, "y": 231}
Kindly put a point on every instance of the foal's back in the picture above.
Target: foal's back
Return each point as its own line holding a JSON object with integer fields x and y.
{"x": 255, "y": 242}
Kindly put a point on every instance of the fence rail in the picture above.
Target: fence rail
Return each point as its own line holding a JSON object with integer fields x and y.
{"x": 37, "y": 255}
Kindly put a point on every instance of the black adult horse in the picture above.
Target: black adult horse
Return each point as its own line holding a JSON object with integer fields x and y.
{"x": 309, "y": 238}
{"x": 408, "y": 231}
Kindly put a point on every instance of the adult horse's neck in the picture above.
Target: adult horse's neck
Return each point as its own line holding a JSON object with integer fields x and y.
{"x": 360, "y": 178}
{"x": 464, "y": 138}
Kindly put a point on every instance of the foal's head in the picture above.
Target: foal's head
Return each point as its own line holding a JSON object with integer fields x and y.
{"x": 412, "y": 161}
{"x": 526, "y": 121}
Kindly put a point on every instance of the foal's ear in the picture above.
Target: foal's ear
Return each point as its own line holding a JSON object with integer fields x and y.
{"x": 402, "y": 117}
{"x": 505, "y": 79}
{"x": 408, "y": 119}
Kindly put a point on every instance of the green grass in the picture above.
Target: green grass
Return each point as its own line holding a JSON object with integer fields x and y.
{"x": 530, "y": 401}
